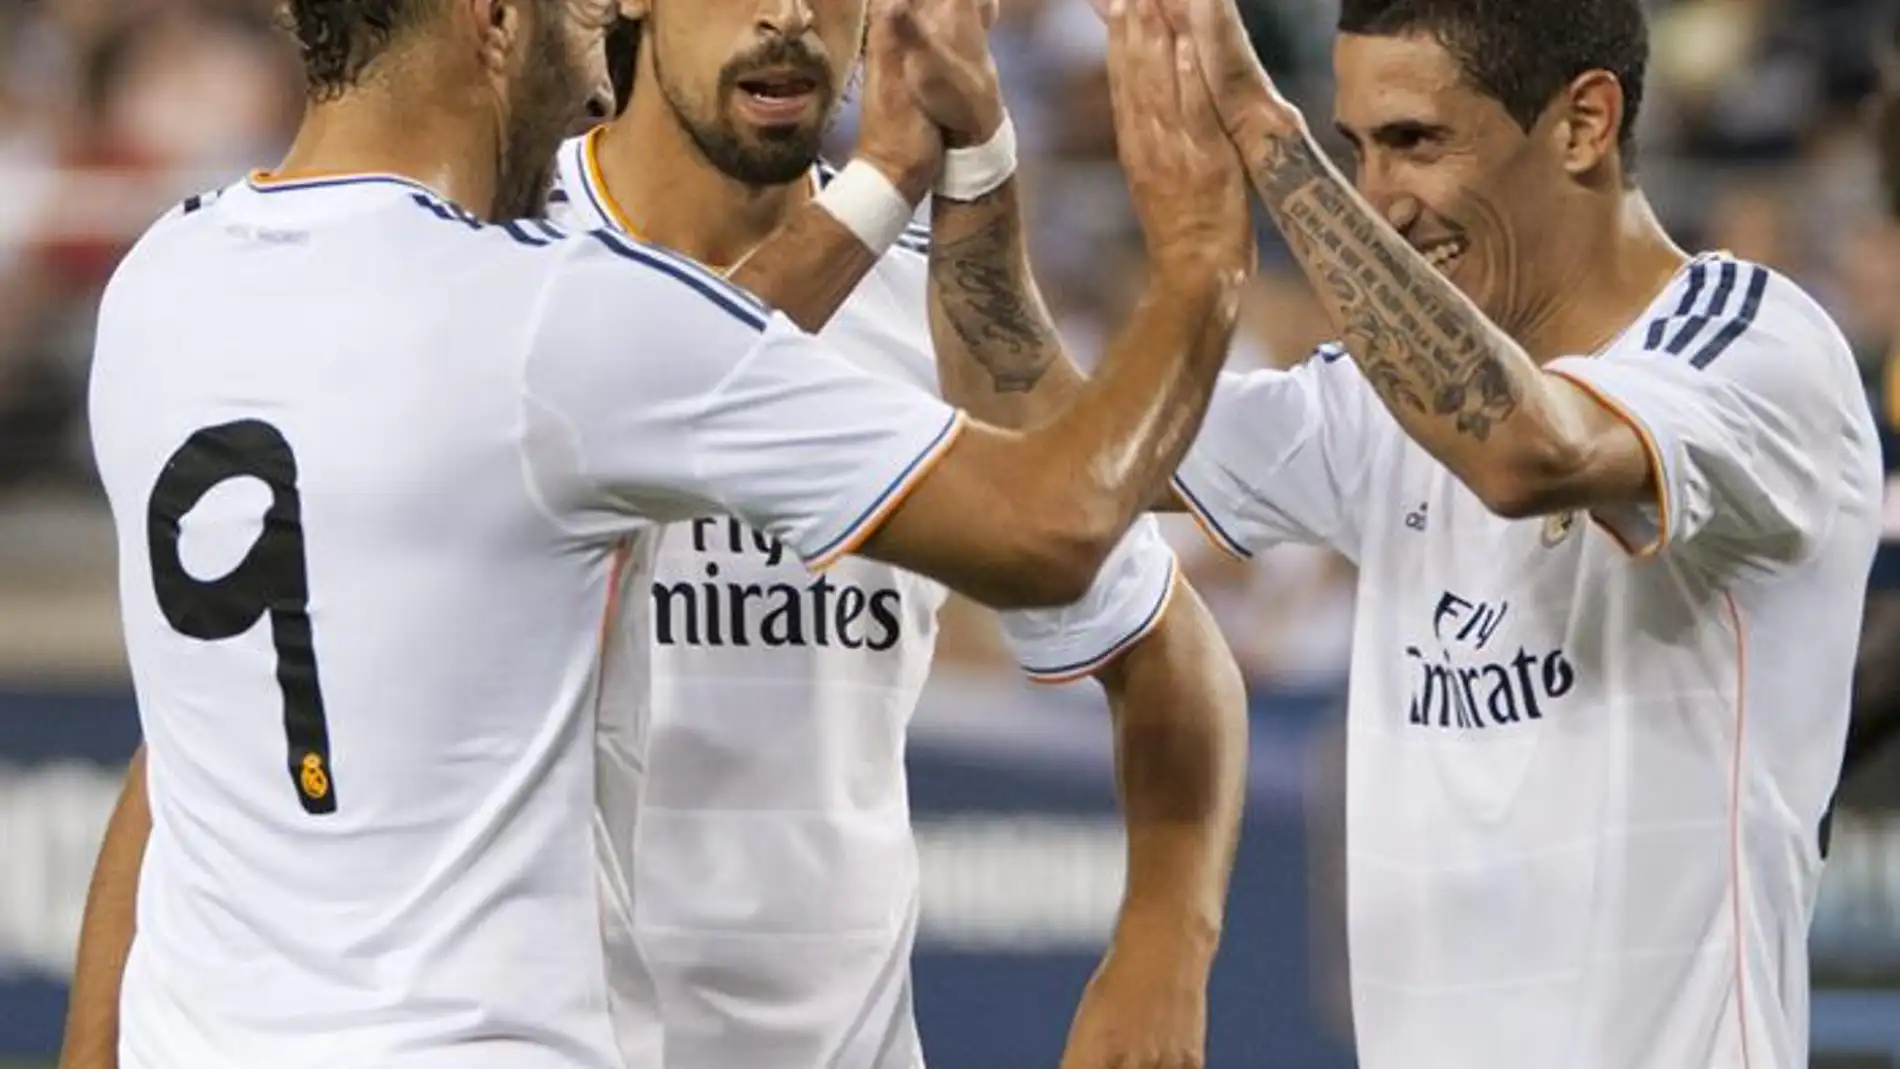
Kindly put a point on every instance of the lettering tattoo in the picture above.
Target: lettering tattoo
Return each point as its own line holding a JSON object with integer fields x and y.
{"x": 981, "y": 287}
{"x": 1424, "y": 349}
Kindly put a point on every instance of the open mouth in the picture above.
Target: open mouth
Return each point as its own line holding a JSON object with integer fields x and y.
{"x": 779, "y": 90}
{"x": 1443, "y": 254}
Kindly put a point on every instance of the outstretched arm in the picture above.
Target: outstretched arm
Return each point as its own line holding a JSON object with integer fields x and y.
{"x": 105, "y": 935}
{"x": 1180, "y": 758}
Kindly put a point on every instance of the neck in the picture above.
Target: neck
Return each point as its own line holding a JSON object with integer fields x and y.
{"x": 667, "y": 192}
{"x": 452, "y": 150}
{"x": 1627, "y": 260}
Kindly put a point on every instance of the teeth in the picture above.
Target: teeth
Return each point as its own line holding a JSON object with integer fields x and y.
{"x": 1440, "y": 255}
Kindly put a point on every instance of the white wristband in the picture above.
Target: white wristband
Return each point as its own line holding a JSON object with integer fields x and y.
{"x": 868, "y": 205}
{"x": 976, "y": 172}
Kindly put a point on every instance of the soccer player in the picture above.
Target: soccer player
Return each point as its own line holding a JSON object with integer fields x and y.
{"x": 1613, "y": 507}
{"x": 774, "y": 889}
{"x": 377, "y": 466}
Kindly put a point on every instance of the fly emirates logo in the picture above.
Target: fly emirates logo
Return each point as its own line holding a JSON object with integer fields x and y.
{"x": 780, "y": 605}
{"x": 1471, "y": 679}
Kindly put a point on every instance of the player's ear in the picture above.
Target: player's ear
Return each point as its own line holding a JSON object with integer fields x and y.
{"x": 635, "y": 9}
{"x": 1590, "y": 116}
{"x": 499, "y": 31}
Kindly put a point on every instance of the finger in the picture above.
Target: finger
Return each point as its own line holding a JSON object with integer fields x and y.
{"x": 1119, "y": 73}
{"x": 1142, "y": 88}
{"x": 900, "y": 18}
{"x": 1199, "y": 116}
{"x": 1217, "y": 29}
{"x": 1160, "y": 38}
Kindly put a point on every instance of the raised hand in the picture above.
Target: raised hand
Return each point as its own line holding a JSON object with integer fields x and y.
{"x": 1243, "y": 92}
{"x": 893, "y": 132}
{"x": 1145, "y": 1008}
{"x": 950, "y": 66}
{"x": 1187, "y": 183}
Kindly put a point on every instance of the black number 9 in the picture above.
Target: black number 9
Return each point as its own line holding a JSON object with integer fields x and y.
{"x": 271, "y": 579}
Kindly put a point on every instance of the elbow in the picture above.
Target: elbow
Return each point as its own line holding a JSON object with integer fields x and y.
{"x": 1061, "y": 570}
{"x": 1508, "y": 496}
{"x": 1059, "y": 556}
{"x": 1530, "y": 475}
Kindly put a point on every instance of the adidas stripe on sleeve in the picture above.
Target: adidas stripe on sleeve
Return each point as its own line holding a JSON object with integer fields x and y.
{"x": 1742, "y": 390}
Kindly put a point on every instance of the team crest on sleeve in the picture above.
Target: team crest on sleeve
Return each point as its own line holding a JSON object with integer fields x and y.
{"x": 1557, "y": 527}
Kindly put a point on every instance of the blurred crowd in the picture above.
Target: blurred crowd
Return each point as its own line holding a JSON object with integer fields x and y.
{"x": 1754, "y": 139}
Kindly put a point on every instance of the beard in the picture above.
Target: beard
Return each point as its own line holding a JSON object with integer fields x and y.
{"x": 547, "y": 99}
{"x": 773, "y": 156}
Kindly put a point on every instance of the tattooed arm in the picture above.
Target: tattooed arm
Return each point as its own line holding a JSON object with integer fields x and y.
{"x": 997, "y": 350}
{"x": 1524, "y": 441}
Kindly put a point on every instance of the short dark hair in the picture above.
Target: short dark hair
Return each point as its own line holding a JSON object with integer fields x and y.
{"x": 1522, "y": 53}
{"x": 339, "y": 38}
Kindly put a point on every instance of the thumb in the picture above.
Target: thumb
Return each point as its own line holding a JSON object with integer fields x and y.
{"x": 1218, "y": 31}
{"x": 893, "y": 23}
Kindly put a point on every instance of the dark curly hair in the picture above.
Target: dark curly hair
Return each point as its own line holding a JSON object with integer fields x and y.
{"x": 339, "y": 38}
{"x": 1521, "y": 53}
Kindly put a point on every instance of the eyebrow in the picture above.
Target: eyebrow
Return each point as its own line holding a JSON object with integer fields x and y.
{"x": 1397, "y": 132}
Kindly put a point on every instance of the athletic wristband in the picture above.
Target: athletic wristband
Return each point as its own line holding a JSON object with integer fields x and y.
{"x": 976, "y": 172}
{"x": 868, "y": 205}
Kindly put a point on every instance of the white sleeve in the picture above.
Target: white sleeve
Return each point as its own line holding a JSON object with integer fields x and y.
{"x": 1128, "y": 598}
{"x": 1131, "y": 592}
{"x": 657, "y": 391}
{"x": 1746, "y": 407}
{"x": 1281, "y": 456}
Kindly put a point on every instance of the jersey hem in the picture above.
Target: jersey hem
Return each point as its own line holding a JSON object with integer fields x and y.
{"x": 880, "y": 510}
{"x": 1069, "y": 673}
{"x": 1209, "y": 527}
{"x": 1657, "y": 471}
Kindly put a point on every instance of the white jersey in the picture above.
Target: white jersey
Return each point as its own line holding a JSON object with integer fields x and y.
{"x": 772, "y": 870}
{"x": 1584, "y": 787}
{"x": 375, "y": 468}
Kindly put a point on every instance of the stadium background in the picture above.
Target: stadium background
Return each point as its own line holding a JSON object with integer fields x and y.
{"x": 1754, "y": 140}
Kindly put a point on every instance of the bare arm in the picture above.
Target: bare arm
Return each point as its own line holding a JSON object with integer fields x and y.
{"x": 812, "y": 262}
{"x": 807, "y": 268}
{"x": 105, "y": 936}
{"x": 1027, "y": 519}
{"x": 1180, "y": 758}
{"x": 998, "y": 354}
{"x": 1180, "y": 713}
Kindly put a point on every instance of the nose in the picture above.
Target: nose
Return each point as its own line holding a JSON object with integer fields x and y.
{"x": 1380, "y": 187}
{"x": 790, "y": 19}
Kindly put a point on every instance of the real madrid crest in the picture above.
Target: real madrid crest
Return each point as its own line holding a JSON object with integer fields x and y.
{"x": 1557, "y": 527}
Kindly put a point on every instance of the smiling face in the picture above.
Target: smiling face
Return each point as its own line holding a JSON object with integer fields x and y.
{"x": 1449, "y": 167}
{"x": 754, "y": 83}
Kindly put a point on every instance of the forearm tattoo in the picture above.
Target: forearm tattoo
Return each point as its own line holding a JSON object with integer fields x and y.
{"x": 1425, "y": 350}
{"x": 982, "y": 290}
